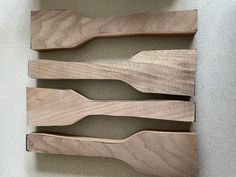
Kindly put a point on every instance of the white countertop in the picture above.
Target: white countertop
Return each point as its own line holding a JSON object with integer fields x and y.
{"x": 215, "y": 87}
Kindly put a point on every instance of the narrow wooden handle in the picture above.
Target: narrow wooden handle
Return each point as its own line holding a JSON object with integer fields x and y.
{"x": 43, "y": 143}
{"x": 165, "y": 154}
{"x": 164, "y": 110}
{"x": 52, "y": 107}
{"x": 156, "y": 23}
{"x": 58, "y": 29}
{"x": 47, "y": 69}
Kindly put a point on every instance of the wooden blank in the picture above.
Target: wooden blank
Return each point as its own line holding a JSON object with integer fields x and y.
{"x": 165, "y": 154}
{"x": 52, "y": 107}
{"x": 165, "y": 72}
{"x": 62, "y": 29}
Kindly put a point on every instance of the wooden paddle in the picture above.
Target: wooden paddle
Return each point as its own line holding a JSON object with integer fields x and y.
{"x": 52, "y": 107}
{"x": 61, "y": 29}
{"x": 165, "y": 154}
{"x": 165, "y": 72}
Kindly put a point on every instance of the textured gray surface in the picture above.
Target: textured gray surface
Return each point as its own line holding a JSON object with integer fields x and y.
{"x": 215, "y": 87}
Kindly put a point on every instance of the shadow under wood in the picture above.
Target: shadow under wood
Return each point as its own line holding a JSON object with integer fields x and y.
{"x": 115, "y": 127}
{"x": 84, "y": 166}
{"x": 117, "y": 49}
{"x": 106, "y": 90}
{"x": 108, "y": 126}
{"x": 96, "y": 8}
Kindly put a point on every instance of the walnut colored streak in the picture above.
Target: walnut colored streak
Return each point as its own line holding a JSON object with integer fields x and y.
{"x": 165, "y": 154}
{"x": 165, "y": 72}
{"x": 52, "y": 107}
{"x": 61, "y": 29}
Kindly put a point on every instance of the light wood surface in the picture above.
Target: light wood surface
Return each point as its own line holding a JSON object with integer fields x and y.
{"x": 61, "y": 29}
{"x": 165, "y": 72}
{"x": 165, "y": 154}
{"x": 53, "y": 107}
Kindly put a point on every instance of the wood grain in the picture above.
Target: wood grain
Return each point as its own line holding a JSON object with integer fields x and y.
{"x": 52, "y": 107}
{"x": 61, "y": 29}
{"x": 165, "y": 154}
{"x": 165, "y": 72}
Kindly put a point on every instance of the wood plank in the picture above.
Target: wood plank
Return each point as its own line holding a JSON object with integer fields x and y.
{"x": 165, "y": 154}
{"x": 53, "y": 107}
{"x": 165, "y": 72}
{"x": 62, "y": 29}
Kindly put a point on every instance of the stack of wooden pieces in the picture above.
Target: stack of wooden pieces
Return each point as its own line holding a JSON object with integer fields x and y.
{"x": 165, "y": 154}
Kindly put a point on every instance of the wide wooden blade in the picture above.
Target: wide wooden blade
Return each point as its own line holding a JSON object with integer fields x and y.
{"x": 168, "y": 74}
{"x": 165, "y": 154}
{"x": 52, "y": 107}
{"x": 61, "y": 29}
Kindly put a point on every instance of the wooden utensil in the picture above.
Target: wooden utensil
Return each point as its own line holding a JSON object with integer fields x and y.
{"x": 61, "y": 29}
{"x": 165, "y": 72}
{"x": 165, "y": 154}
{"x": 52, "y": 107}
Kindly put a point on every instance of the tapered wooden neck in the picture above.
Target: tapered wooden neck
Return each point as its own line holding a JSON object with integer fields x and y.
{"x": 171, "y": 110}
